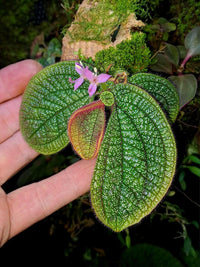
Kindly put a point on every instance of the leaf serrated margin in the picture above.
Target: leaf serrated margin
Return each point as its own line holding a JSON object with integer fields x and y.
{"x": 48, "y": 102}
{"x": 125, "y": 188}
{"x": 161, "y": 89}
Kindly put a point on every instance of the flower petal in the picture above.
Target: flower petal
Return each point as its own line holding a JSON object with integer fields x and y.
{"x": 79, "y": 68}
{"x": 89, "y": 75}
{"x": 92, "y": 89}
{"x": 70, "y": 80}
{"x": 78, "y": 83}
{"x": 102, "y": 78}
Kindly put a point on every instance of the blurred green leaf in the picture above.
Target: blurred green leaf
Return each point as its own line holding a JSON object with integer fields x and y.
{"x": 165, "y": 36}
{"x": 195, "y": 223}
{"x": 194, "y": 159}
{"x": 182, "y": 180}
{"x": 142, "y": 255}
{"x": 193, "y": 147}
{"x": 121, "y": 239}
{"x": 186, "y": 86}
{"x": 162, "y": 21}
{"x": 128, "y": 240}
{"x": 192, "y": 42}
{"x": 162, "y": 64}
{"x": 191, "y": 261}
{"x": 171, "y": 193}
{"x": 154, "y": 27}
{"x": 54, "y": 48}
{"x": 168, "y": 26}
{"x": 188, "y": 248}
{"x": 172, "y": 53}
{"x": 195, "y": 170}
{"x": 182, "y": 51}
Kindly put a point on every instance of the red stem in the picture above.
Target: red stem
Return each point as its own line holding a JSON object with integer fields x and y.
{"x": 188, "y": 56}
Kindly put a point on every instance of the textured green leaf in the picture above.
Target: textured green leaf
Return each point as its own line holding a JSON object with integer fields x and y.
{"x": 136, "y": 161}
{"x": 161, "y": 89}
{"x": 48, "y": 102}
{"x": 107, "y": 98}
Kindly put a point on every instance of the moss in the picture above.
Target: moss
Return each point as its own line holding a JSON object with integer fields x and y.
{"x": 131, "y": 55}
{"x": 101, "y": 20}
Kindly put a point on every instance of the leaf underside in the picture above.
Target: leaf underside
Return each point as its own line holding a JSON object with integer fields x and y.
{"x": 161, "y": 89}
{"x": 48, "y": 102}
{"x": 136, "y": 161}
{"x": 86, "y": 129}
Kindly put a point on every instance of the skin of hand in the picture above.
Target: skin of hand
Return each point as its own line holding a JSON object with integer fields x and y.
{"x": 25, "y": 206}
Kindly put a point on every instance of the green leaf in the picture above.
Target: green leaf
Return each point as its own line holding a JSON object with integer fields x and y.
{"x": 48, "y": 102}
{"x": 191, "y": 260}
{"x": 169, "y": 27}
{"x": 54, "y": 48}
{"x": 182, "y": 51}
{"x": 128, "y": 241}
{"x": 162, "y": 64}
{"x": 186, "y": 86}
{"x": 161, "y": 89}
{"x": 172, "y": 53}
{"x": 188, "y": 248}
{"x": 195, "y": 223}
{"x": 192, "y": 42}
{"x": 146, "y": 255}
{"x": 195, "y": 170}
{"x": 182, "y": 180}
{"x": 136, "y": 161}
{"x": 194, "y": 159}
{"x": 194, "y": 147}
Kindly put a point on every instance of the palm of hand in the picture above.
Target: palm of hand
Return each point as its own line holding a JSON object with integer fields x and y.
{"x": 27, "y": 205}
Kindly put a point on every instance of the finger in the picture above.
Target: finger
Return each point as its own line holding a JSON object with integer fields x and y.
{"x": 15, "y": 153}
{"x": 9, "y": 119}
{"x": 34, "y": 202}
{"x": 15, "y": 77}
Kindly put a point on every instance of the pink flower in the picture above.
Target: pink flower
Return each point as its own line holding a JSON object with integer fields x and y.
{"x": 82, "y": 72}
{"x": 87, "y": 74}
{"x": 95, "y": 80}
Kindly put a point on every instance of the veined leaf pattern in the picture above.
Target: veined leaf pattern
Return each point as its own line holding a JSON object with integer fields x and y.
{"x": 136, "y": 161}
{"x": 161, "y": 89}
{"x": 48, "y": 102}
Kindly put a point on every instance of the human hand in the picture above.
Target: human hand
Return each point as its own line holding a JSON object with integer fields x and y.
{"x": 27, "y": 205}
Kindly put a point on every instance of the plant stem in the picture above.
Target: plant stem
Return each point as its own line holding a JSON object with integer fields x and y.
{"x": 188, "y": 56}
